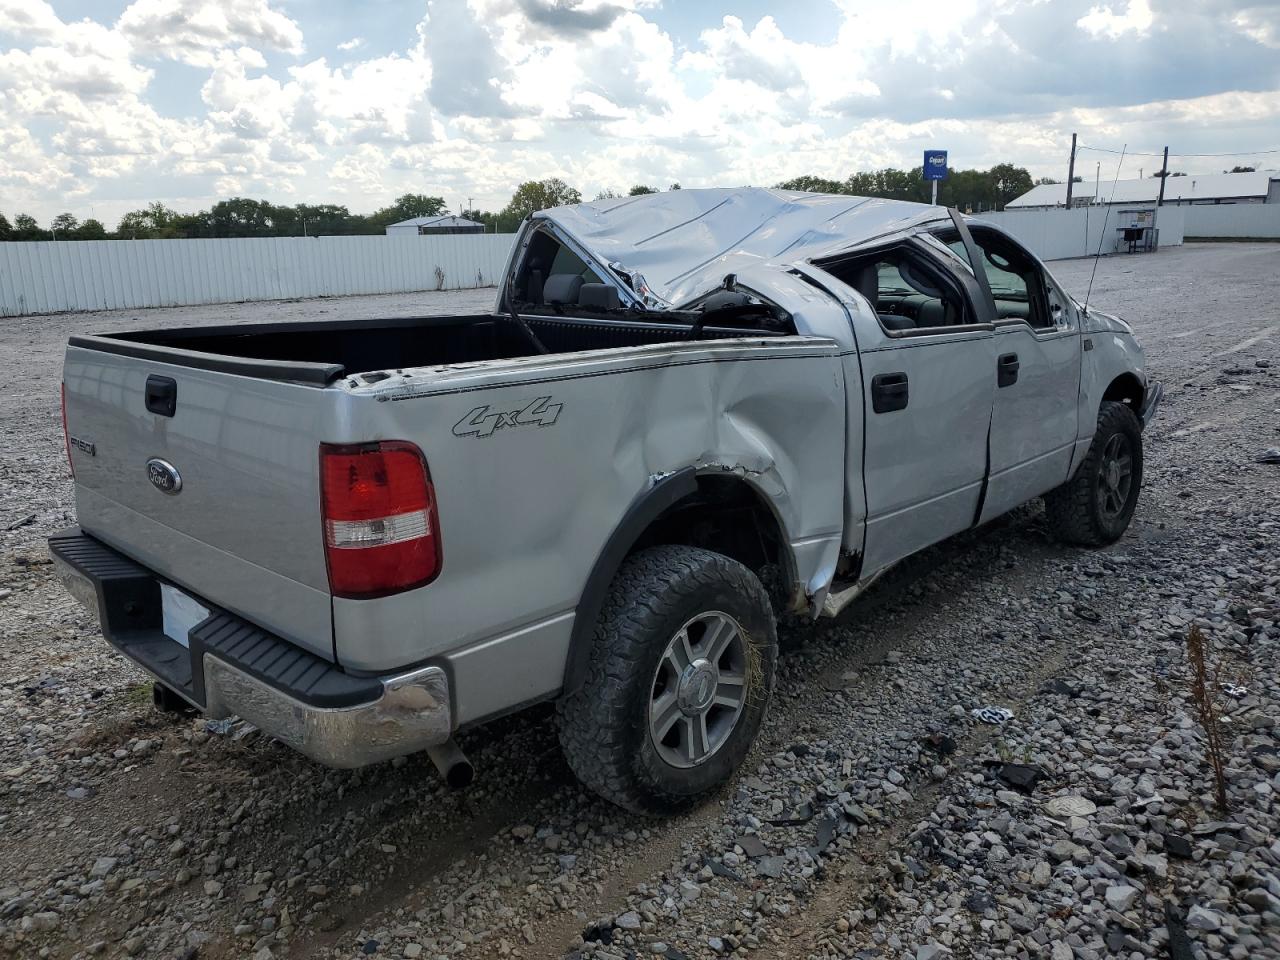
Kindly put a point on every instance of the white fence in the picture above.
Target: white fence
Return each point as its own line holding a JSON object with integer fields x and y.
{"x": 1245, "y": 221}
{"x": 55, "y": 276}
{"x": 1079, "y": 232}
{"x": 51, "y": 277}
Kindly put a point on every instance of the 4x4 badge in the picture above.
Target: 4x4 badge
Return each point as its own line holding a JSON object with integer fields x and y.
{"x": 483, "y": 421}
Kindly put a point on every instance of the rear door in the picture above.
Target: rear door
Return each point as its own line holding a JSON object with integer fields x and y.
{"x": 241, "y": 526}
{"x": 926, "y": 349}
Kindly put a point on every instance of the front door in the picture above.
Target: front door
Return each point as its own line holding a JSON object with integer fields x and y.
{"x": 1037, "y": 346}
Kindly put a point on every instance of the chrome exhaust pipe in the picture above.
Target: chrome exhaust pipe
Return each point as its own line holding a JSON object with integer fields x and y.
{"x": 452, "y": 763}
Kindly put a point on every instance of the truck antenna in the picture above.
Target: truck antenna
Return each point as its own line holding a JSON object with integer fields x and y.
{"x": 1102, "y": 234}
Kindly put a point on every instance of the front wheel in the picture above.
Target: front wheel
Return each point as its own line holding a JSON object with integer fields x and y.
{"x": 1095, "y": 506}
{"x": 680, "y": 676}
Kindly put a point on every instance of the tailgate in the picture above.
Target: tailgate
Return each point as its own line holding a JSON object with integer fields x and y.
{"x": 222, "y": 497}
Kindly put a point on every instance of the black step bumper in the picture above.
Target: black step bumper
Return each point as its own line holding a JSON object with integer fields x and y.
{"x": 232, "y": 667}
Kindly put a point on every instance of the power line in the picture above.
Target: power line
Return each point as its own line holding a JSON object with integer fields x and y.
{"x": 1134, "y": 153}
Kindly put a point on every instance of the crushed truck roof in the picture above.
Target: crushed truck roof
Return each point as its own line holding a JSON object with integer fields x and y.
{"x": 684, "y": 242}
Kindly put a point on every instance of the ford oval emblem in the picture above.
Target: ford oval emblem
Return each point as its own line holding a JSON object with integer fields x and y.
{"x": 164, "y": 476}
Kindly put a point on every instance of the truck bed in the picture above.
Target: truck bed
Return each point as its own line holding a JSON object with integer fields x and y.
{"x": 320, "y": 352}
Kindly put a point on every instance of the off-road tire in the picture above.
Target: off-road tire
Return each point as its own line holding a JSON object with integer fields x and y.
{"x": 1075, "y": 509}
{"x": 603, "y": 726}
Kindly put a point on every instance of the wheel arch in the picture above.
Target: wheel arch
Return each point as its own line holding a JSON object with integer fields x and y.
{"x": 692, "y": 508}
{"x": 1126, "y": 388}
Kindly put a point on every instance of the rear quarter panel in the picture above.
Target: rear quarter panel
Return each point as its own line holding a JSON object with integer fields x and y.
{"x": 536, "y": 461}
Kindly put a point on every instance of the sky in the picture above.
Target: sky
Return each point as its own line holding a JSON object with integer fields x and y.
{"x": 108, "y": 105}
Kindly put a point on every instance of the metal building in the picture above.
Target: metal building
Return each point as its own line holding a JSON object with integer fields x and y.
{"x": 418, "y": 226}
{"x": 1192, "y": 189}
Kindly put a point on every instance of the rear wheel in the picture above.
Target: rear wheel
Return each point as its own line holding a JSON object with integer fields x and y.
{"x": 1095, "y": 506}
{"x": 681, "y": 670}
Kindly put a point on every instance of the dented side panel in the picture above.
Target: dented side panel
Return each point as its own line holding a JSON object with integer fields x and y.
{"x": 535, "y": 462}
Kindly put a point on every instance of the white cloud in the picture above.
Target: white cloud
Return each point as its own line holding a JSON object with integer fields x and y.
{"x": 1104, "y": 21}
{"x": 1261, "y": 24}
{"x": 193, "y": 31}
{"x": 487, "y": 93}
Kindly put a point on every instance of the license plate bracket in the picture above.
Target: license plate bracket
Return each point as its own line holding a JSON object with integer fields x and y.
{"x": 179, "y": 613}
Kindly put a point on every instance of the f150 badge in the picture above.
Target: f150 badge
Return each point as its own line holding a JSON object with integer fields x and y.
{"x": 485, "y": 421}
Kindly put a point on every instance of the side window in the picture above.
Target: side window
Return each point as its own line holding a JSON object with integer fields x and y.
{"x": 1057, "y": 302}
{"x": 908, "y": 292}
{"x": 1017, "y": 284}
{"x": 550, "y": 271}
{"x": 568, "y": 262}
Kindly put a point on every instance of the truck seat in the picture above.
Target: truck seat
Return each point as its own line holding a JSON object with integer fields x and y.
{"x": 562, "y": 288}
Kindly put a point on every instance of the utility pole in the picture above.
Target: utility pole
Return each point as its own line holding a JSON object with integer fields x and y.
{"x": 1071, "y": 170}
{"x": 1164, "y": 174}
{"x": 1155, "y": 216}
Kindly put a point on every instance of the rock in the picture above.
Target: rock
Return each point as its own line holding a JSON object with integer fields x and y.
{"x": 1064, "y": 850}
{"x": 1070, "y": 806}
{"x": 1122, "y": 897}
{"x": 771, "y": 866}
{"x": 45, "y": 920}
{"x": 1041, "y": 874}
{"x": 102, "y": 866}
{"x": 1202, "y": 918}
{"x": 932, "y": 951}
{"x": 1177, "y": 846}
{"x": 628, "y": 921}
{"x": 412, "y": 950}
{"x": 1021, "y": 776}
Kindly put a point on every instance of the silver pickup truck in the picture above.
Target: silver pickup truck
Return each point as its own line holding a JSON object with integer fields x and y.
{"x": 687, "y": 414}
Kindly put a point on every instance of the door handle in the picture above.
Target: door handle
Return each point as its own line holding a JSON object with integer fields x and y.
{"x": 161, "y": 395}
{"x": 889, "y": 392}
{"x": 1007, "y": 370}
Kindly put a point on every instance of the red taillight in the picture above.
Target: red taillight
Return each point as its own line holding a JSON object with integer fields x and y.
{"x": 381, "y": 527}
{"x": 66, "y": 434}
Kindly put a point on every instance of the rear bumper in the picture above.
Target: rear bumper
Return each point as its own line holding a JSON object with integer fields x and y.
{"x": 230, "y": 667}
{"x": 1154, "y": 394}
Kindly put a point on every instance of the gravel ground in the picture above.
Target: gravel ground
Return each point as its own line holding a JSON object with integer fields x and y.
{"x": 876, "y": 818}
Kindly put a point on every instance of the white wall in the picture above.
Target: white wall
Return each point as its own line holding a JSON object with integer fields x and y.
{"x": 1060, "y": 234}
{"x": 53, "y": 276}
{"x": 1236, "y": 220}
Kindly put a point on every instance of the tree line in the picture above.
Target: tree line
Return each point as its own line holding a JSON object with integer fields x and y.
{"x": 971, "y": 190}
